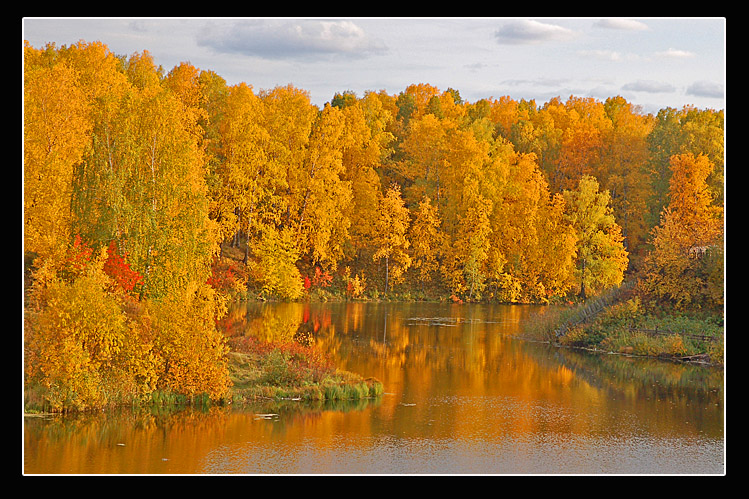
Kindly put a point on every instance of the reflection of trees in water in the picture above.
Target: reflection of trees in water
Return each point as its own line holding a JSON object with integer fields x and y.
{"x": 423, "y": 334}
{"x": 117, "y": 439}
{"x": 648, "y": 378}
{"x": 473, "y": 350}
{"x": 481, "y": 383}
{"x": 664, "y": 394}
{"x": 171, "y": 441}
{"x": 276, "y": 321}
{"x": 475, "y": 338}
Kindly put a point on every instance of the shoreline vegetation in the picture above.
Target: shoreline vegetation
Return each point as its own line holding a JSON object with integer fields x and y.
{"x": 289, "y": 371}
{"x": 625, "y": 325}
{"x": 259, "y": 371}
{"x": 275, "y": 372}
{"x": 264, "y": 371}
{"x": 154, "y": 198}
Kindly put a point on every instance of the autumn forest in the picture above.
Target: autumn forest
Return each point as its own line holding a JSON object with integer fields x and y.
{"x": 152, "y": 197}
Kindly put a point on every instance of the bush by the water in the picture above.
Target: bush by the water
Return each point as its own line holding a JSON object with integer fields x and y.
{"x": 629, "y": 326}
{"x": 261, "y": 369}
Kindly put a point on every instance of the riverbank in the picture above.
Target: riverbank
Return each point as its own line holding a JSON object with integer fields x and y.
{"x": 291, "y": 371}
{"x": 262, "y": 371}
{"x": 628, "y": 325}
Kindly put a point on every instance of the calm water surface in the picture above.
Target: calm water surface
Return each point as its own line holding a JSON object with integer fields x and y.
{"x": 463, "y": 395}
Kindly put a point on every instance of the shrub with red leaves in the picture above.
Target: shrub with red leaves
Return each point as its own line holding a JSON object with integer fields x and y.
{"x": 119, "y": 270}
{"x": 77, "y": 260}
{"x": 319, "y": 280}
{"x": 226, "y": 276}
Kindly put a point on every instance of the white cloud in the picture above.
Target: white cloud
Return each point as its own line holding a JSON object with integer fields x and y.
{"x": 289, "y": 39}
{"x": 476, "y": 66}
{"x": 623, "y": 24}
{"x": 649, "y": 86}
{"x": 604, "y": 55}
{"x": 706, "y": 89}
{"x": 538, "y": 82}
{"x": 527, "y": 31}
{"x": 601, "y": 92}
{"x": 675, "y": 54}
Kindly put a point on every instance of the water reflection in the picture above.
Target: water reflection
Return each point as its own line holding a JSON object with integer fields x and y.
{"x": 463, "y": 395}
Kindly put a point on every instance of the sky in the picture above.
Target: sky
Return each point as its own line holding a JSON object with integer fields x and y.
{"x": 652, "y": 62}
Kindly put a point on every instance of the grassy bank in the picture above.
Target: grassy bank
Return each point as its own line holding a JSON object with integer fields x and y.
{"x": 261, "y": 370}
{"x": 630, "y": 325}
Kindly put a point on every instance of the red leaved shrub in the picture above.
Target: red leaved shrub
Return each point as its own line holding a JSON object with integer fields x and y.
{"x": 119, "y": 270}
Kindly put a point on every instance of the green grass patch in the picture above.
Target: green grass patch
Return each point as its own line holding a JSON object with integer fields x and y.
{"x": 262, "y": 370}
{"x": 630, "y": 328}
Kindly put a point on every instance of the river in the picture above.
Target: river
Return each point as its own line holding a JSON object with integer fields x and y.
{"x": 464, "y": 394}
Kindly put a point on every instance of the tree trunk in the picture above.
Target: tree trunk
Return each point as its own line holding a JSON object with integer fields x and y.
{"x": 387, "y": 269}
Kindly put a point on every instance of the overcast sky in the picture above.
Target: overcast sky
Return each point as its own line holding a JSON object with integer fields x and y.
{"x": 651, "y": 62}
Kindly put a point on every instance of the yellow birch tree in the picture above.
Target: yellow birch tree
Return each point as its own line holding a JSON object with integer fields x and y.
{"x": 322, "y": 196}
{"x": 427, "y": 240}
{"x": 601, "y": 257}
{"x": 391, "y": 241}
{"x": 57, "y": 129}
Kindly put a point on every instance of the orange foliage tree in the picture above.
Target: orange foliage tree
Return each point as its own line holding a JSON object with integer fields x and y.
{"x": 686, "y": 264}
